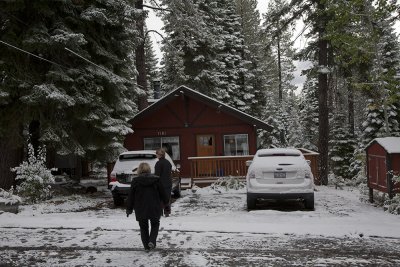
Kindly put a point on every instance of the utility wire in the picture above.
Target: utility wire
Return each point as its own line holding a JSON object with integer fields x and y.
{"x": 29, "y": 53}
{"x": 87, "y": 60}
{"x": 52, "y": 62}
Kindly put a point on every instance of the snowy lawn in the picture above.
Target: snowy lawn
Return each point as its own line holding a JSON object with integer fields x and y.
{"x": 203, "y": 222}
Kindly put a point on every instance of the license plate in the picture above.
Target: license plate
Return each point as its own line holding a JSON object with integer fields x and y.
{"x": 279, "y": 174}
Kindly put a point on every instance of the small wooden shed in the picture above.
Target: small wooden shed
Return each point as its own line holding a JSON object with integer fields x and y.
{"x": 383, "y": 162}
{"x": 313, "y": 157}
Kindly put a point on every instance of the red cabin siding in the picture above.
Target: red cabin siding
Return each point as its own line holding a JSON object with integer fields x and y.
{"x": 187, "y": 117}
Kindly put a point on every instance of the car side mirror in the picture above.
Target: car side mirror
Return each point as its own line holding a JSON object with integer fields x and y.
{"x": 248, "y": 163}
{"x": 178, "y": 166}
{"x": 308, "y": 162}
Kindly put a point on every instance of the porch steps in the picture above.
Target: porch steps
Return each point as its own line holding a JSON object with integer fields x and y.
{"x": 186, "y": 183}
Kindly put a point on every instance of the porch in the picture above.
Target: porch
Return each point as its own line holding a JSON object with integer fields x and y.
{"x": 206, "y": 170}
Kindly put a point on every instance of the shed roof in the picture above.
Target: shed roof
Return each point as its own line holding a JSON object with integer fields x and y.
{"x": 390, "y": 144}
{"x": 206, "y": 100}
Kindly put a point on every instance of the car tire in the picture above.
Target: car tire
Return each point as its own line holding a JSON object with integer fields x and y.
{"x": 251, "y": 203}
{"x": 118, "y": 201}
{"x": 177, "y": 191}
{"x": 309, "y": 203}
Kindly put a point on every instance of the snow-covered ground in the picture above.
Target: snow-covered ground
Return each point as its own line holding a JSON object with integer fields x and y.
{"x": 206, "y": 228}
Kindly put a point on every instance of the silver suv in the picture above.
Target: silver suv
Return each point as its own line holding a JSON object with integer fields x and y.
{"x": 279, "y": 173}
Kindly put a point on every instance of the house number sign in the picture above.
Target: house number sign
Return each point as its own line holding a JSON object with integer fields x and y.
{"x": 159, "y": 133}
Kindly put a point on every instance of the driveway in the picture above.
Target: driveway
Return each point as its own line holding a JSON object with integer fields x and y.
{"x": 207, "y": 228}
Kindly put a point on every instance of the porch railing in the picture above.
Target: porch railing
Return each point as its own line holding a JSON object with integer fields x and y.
{"x": 209, "y": 169}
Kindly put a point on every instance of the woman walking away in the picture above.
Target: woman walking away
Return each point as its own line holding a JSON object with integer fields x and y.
{"x": 163, "y": 170}
{"x": 145, "y": 197}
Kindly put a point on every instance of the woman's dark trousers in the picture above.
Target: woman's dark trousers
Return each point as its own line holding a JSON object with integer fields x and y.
{"x": 144, "y": 231}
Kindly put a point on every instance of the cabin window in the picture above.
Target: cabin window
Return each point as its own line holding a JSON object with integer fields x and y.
{"x": 236, "y": 145}
{"x": 169, "y": 143}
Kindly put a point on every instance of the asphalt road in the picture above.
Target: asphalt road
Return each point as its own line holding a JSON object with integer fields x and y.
{"x": 61, "y": 247}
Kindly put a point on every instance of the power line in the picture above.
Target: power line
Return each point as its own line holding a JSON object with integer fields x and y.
{"x": 87, "y": 60}
{"x": 29, "y": 53}
{"x": 52, "y": 62}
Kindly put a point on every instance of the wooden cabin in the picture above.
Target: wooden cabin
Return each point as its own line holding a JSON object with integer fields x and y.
{"x": 206, "y": 137}
{"x": 383, "y": 162}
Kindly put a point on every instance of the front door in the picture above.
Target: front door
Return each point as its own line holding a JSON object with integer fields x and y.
{"x": 205, "y": 145}
{"x": 205, "y": 148}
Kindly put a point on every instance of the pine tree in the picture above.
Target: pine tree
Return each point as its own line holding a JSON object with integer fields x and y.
{"x": 152, "y": 71}
{"x": 342, "y": 146}
{"x": 81, "y": 108}
{"x": 206, "y": 51}
{"x": 309, "y": 113}
{"x": 254, "y": 40}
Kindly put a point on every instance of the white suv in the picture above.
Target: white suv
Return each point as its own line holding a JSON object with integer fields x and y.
{"x": 125, "y": 170}
{"x": 279, "y": 173}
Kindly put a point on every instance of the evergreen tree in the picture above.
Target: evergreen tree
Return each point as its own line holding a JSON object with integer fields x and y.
{"x": 309, "y": 113}
{"x": 342, "y": 146}
{"x": 254, "y": 40}
{"x": 295, "y": 129}
{"x": 152, "y": 71}
{"x": 189, "y": 47}
{"x": 80, "y": 108}
{"x": 207, "y": 52}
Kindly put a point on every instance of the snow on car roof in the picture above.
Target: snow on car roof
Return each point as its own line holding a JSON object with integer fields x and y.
{"x": 278, "y": 152}
{"x": 139, "y": 152}
{"x": 390, "y": 144}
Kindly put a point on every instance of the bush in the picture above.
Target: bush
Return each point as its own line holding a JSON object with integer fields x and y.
{"x": 8, "y": 197}
{"x": 34, "y": 177}
{"x": 393, "y": 205}
{"x": 228, "y": 183}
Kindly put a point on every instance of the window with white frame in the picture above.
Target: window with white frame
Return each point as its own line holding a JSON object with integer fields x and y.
{"x": 236, "y": 145}
{"x": 169, "y": 143}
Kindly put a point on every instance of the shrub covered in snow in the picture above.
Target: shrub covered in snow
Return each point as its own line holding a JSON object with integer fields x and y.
{"x": 393, "y": 205}
{"x": 380, "y": 199}
{"x": 8, "y": 197}
{"x": 227, "y": 183}
{"x": 34, "y": 176}
{"x": 336, "y": 180}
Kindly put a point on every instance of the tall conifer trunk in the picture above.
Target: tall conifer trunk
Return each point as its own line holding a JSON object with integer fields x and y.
{"x": 323, "y": 126}
{"x": 140, "y": 59}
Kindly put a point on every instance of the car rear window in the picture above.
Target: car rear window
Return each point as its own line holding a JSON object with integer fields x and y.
{"x": 280, "y": 155}
{"x": 136, "y": 156}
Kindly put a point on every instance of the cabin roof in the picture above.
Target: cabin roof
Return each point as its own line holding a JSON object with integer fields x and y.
{"x": 184, "y": 90}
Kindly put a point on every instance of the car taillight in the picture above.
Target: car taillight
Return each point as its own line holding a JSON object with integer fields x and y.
{"x": 113, "y": 178}
{"x": 252, "y": 175}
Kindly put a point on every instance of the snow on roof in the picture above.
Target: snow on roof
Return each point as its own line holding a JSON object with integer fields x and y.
{"x": 390, "y": 144}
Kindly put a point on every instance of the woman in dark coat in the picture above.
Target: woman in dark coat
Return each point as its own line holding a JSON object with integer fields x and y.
{"x": 145, "y": 197}
{"x": 163, "y": 170}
